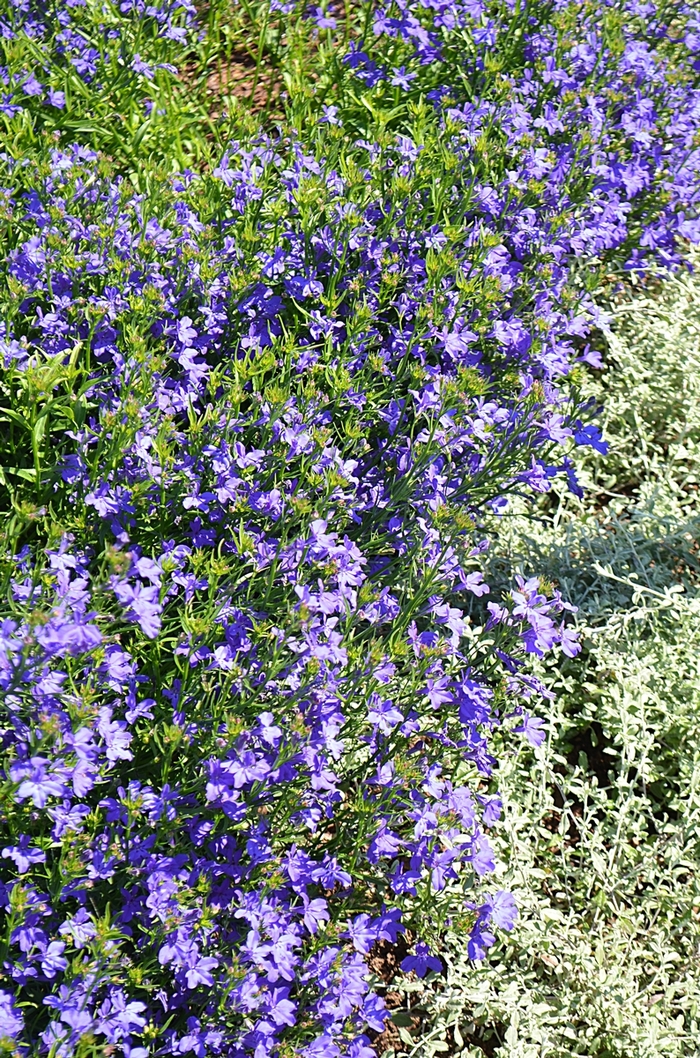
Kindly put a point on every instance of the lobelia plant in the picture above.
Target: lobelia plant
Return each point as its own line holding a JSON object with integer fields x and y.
{"x": 98, "y": 70}
{"x": 258, "y": 426}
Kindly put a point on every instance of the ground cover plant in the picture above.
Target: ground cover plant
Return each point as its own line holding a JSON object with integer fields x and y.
{"x": 599, "y": 838}
{"x": 271, "y": 376}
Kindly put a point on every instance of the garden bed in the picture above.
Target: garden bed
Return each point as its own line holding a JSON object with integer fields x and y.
{"x": 285, "y": 383}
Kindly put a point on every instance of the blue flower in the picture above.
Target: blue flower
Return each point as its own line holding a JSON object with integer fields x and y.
{"x": 422, "y": 961}
{"x": 590, "y": 435}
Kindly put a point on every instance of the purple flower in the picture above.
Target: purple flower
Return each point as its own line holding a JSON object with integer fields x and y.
{"x": 322, "y": 1047}
{"x": 80, "y": 927}
{"x": 330, "y": 114}
{"x": 315, "y": 912}
{"x": 482, "y": 858}
{"x": 361, "y": 1047}
{"x": 8, "y": 107}
{"x": 384, "y": 714}
{"x": 282, "y": 1009}
{"x": 532, "y": 728}
{"x": 363, "y": 932}
{"x": 11, "y": 1019}
{"x": 32, "y": 87}
{"x": 199, "y": 971}
{"x": 23, "y": 855}
{"x": 374, "y": 1012}
{"x": 480, "y": 940}
{"x": 421, "y": 962}
{"x": 142, "y": 605}
{"x": 139, "y": 66}
{"x": 401, "y": 78}
{"x": 502, "y": 910}
{"x": 53, "y": 960}
{"x": 60, "y": 636}
{"x": 36, "y": 781}
{"x": 569, "y": 642}
{"x": 590, "y": 435}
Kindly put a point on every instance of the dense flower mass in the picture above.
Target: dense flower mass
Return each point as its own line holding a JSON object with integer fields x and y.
{"x": 259, "y": 424}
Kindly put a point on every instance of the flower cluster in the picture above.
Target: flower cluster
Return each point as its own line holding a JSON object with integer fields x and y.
{"x": 257, "y": 429}
{"x": 106, "y": 68}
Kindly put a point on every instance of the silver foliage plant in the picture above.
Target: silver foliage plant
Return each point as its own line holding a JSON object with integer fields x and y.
{"x": 600, "y": 841}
